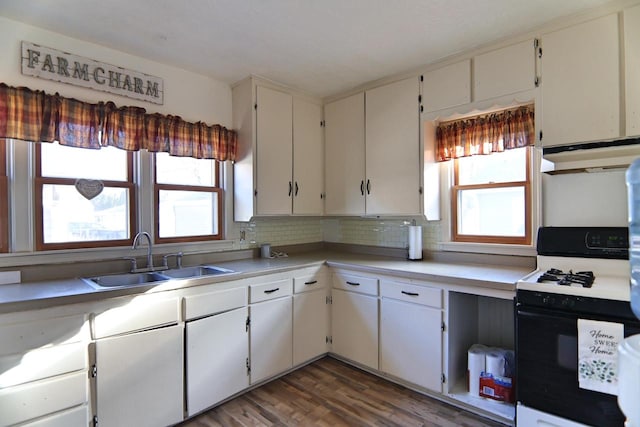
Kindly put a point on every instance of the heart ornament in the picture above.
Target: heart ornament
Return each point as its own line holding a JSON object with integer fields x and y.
{"x": 89, "y": 188}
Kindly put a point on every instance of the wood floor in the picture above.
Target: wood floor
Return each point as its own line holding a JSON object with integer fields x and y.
{"x": 329, "y": 392}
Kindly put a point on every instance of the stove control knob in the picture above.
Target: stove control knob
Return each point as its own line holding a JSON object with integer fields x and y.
{"x": 568, "y": 302}
{"x": 548, "y": 300}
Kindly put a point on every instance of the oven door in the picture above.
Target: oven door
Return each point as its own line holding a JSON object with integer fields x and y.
{"x": 547, "y": 367}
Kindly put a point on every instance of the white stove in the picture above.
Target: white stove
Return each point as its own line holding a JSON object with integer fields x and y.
{"x": 611, "y": 277}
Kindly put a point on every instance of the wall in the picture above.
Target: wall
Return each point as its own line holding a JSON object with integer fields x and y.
{"x": 192, "y": 96}
{"x": 387, "y": 232}
{"x": 585, "y": 199}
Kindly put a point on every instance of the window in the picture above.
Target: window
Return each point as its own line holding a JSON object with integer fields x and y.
{"x": 65, "y": 218}
{"x": 188, "y": 199}
{"x": 4, "y": 195}
{"x": 491, "y": 198}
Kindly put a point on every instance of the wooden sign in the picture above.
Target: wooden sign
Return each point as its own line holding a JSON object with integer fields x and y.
{"x": 52, "y": 64}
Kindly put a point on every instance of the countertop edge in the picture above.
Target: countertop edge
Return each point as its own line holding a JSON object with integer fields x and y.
{"x": 498, "y": 278}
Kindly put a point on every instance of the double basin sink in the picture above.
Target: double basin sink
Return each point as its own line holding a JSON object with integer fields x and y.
{"x": 144, "y": 278}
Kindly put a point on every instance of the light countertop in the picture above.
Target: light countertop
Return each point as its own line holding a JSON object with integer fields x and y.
{"x": 484, "y": 277}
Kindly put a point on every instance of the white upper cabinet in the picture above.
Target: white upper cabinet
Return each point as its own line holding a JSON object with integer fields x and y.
{"x": 278, "y": 169}
{"x": 308, "y": 166}
{"x": 447, "y": 87}
{"x": 581, "y": 83}
{"x": 504, "y": 71}
{"x": 274, "y": 139}
{"x": 393, "y": 153}
{"x": 632, "y": 68}
{"x": 344, "y": 156}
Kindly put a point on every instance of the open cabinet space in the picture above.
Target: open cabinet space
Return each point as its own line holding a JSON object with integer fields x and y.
{"x": 476, "y": 319}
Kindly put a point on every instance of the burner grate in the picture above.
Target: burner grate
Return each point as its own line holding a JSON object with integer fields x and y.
{"x": 582, "y": 278}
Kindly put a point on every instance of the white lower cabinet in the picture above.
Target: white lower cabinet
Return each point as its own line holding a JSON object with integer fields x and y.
{"x": 78, "y": 416}
{"x": 139, "y": 362}
{"x": 217, "y": 351}
{"x": 310, "y": 317}
{"x": 139, "y": 378}
{"x": 411, "y": 334}
{"x": 354, "y": 326}
{"x": 44, "y": 369}
{"x": 271, "y": 330}
{"x": 216, "y": 345}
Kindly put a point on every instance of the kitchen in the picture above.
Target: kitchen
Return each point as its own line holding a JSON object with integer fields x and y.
{"x": 204, "y": 99}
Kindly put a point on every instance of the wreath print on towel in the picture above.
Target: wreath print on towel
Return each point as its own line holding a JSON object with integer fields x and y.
{"x": 89, "y": 188}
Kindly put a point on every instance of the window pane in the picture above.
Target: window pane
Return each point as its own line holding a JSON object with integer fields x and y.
{"x": 188, "y": 213}
{"x": 184, "y": 170}
{"x": 508, "y": 166}
{"x": 69, "y": 217}
{"x": 59, "y": 161}
{"x": 492, "y": 212}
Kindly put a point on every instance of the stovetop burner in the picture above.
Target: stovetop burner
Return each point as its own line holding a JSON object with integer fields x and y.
{"x": 582, "y": 278}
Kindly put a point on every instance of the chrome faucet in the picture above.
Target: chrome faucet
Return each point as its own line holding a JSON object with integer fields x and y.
{"x": 149, "y": 248}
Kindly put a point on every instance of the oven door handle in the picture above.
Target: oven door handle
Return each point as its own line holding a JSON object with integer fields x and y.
{"x": 557, "y": 313}
{"x": 546, "y": 312}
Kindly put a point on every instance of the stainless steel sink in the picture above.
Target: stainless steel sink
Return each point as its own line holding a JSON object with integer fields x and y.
{"x": 126, "y": 279}
{"x": 197, "y": 271}
{"x": 136, "y": 279}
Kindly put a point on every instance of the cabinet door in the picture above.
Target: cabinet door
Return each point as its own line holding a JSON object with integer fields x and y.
{"x": 504, "y": 71}
{"x": 140, "y": 380}
{"x": 310, "y": 325}
{"x": 274, "y": 136}
{"x": 216, "y": 355}
{"x": 308, "y": 165}
{"x": 344, "y": 156}
{"x": 448, "y": 86}
{"x": 393, "y": 149}
{"x": 632, "y": 68}
{"x": 416, "y": 330}
{"x": 354, "y": 327}
{"x": 581, "y": 83}
{"x": 271, "y": 338}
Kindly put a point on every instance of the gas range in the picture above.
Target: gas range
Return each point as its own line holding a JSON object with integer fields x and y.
{"x": 610, "y": 277}
{"x": 555, "y": 324}
{"x": 581, "y": 261}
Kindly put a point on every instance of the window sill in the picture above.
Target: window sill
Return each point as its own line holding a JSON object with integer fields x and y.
{"x": 488, "y": 248}
{"x": 101, "y": 254}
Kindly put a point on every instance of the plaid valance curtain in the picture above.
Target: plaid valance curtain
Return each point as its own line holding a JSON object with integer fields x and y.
{"x": 496, "y": 132}
{"x": 32, "y": 115}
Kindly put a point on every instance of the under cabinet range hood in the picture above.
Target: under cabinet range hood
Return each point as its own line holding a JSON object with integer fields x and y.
{"x": 590, "y": 156}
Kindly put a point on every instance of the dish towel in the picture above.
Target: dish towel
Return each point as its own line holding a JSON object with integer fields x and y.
{"x": 598, "y": 355}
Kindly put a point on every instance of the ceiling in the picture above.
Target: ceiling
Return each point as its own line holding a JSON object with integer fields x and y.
{"x": 322, "y": 47}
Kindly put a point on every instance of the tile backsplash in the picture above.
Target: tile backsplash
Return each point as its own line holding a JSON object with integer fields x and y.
{"x": 359, "y": 231}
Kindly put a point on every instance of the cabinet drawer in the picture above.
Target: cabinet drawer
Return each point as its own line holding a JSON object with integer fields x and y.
{"x": 411, "y": 293}
{"x": 270, "y": 290}
{"x": 78, "y": 416}
{"x": 28, "y": 401}
{"x": 42, "y": 363}
{"x": 309, "y": 283}
{"x": 144, "y": 312}
{"x": 22, "y": 337}
{"x": 353, "y": 283}
{"x": 214, "y": 302}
